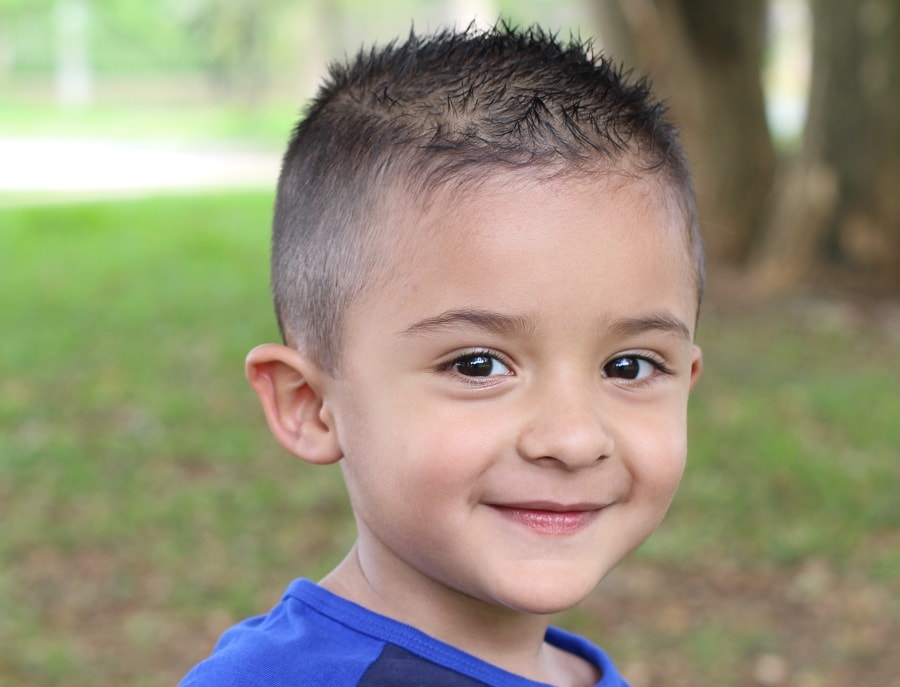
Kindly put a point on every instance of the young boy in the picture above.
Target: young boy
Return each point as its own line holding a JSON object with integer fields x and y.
{"x": 487, "y": 272}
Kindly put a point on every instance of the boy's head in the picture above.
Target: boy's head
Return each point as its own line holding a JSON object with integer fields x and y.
{"x": 485, "y": 252}
{"x": 394, "y": 126}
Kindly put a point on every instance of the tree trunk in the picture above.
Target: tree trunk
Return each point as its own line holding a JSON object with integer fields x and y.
{"x": 705, "y": 57}
{"x": 73, "y": 66}
{"x": 838, "y": 211}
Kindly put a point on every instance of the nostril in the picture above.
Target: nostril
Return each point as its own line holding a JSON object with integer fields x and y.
{"x": 573, "y": 443}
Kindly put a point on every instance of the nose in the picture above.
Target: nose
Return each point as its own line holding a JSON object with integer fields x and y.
{"x": 565, "y": 426}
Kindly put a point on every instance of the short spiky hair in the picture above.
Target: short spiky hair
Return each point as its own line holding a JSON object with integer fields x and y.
{"x": 446, "y": 109}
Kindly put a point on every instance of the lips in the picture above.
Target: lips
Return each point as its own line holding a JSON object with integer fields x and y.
{"x": 550, "y": 519}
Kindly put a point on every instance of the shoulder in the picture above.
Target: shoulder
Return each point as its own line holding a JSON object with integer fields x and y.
{"x": 294, "y": 644}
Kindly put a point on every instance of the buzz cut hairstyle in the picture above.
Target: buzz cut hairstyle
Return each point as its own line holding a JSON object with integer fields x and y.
{"x": 447, "y": 110}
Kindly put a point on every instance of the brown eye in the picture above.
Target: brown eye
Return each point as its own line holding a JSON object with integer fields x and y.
{"x": 479, "y": 365}
{"x": 629, "y": 367}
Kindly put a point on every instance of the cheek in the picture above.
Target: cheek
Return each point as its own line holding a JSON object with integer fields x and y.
{"x": 412, "y": 450}
{"x": 656, "y": 456}
{"x": 447, "y": 450}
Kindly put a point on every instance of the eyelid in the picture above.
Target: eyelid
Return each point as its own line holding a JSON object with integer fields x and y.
{"x": 643, "y": 353}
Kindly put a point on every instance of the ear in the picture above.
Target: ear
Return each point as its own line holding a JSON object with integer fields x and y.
{"x": 290, "y": 387}
{"x": 696, "y": 365}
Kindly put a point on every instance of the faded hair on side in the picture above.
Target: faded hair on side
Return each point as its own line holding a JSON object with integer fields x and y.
{"x": 447, "y": 109}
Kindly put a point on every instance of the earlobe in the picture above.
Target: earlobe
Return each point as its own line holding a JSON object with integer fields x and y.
{"x": 291, "y": 389}
{"x": 696, "y": 365}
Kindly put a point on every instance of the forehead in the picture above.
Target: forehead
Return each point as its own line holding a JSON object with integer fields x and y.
{"x": 515, "y": 240}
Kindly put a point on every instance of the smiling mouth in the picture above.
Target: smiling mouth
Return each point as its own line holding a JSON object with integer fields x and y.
{"x": 550, "y": 520}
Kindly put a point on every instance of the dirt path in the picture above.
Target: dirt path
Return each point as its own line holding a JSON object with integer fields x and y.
{"x": 108, "y": 167}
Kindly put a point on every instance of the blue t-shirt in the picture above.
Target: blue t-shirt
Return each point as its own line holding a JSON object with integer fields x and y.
{"x": 314, "y": 637}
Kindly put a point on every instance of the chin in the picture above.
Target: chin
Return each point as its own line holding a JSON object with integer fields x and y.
{"x": 550, "y": 593}
{"x": 549, "y": 605}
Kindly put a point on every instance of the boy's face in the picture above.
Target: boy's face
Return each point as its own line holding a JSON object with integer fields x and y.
{"x": 511, "y": 401}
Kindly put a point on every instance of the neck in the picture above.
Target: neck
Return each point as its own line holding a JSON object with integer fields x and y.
{"x": 509, "y": 639}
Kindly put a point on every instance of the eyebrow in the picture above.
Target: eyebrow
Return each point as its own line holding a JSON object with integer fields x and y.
{"x": 479, "y": 319}
{"x": 658, "y": 322}
{"x": 516, "y": 324}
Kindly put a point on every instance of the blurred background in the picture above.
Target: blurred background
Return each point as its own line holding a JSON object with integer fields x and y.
{"x": 144, "y": 506}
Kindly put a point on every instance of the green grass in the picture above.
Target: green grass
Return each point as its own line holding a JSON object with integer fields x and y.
{"x": 145, "y": 506}
{"x": 132, "y": 445}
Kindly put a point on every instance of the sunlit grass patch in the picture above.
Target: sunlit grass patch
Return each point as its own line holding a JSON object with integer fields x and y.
{"x": 267, "y": 125}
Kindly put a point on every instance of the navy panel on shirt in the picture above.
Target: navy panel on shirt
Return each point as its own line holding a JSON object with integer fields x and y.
{"x": 397, "y": 667}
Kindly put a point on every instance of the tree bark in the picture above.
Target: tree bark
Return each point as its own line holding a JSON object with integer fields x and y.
{"x": 705, "y": 58}
{"x": 837, "y": 212}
